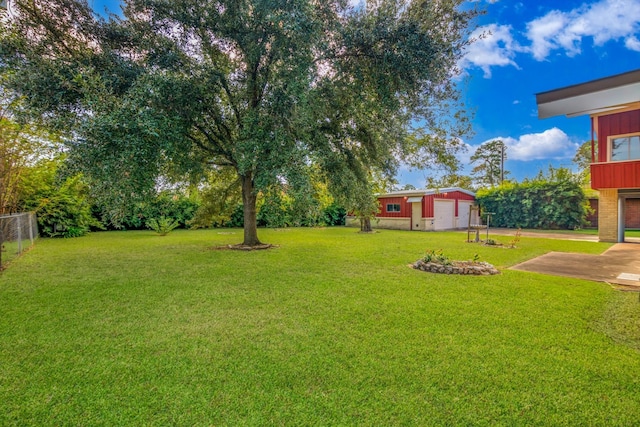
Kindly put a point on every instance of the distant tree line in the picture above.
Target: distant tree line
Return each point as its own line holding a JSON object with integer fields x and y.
{"x": 65, "y": 207}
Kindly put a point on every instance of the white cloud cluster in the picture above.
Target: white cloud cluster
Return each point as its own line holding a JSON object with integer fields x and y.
{"x": 551, "y": 144}
{"x": 601, "y": 21}
{"x": 494, "y": 46}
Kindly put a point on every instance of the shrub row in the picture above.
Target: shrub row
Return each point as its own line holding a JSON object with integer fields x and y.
{"x": 535, "y": 204}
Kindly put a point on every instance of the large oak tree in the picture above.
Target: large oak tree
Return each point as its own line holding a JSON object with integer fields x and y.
{"x": 264, "y": 87}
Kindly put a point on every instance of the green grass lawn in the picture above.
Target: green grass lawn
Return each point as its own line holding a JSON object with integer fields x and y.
{"x": 589, "y": 231}
{"x": 330, "y": 328}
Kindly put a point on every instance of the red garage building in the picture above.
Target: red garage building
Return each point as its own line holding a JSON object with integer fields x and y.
{"x": 424, "y": 210}
{"x": 613, "y": 103}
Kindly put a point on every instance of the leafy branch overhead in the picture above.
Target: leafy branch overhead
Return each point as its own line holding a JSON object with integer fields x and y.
{"x": 266, "y": 88}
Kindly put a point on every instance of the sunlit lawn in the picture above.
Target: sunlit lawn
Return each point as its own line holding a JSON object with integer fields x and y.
{"x": 330, "y": 328}
{"x": 590, "y": 231}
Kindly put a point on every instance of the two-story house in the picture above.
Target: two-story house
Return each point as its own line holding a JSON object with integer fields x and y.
{"x": 613, "y": 103}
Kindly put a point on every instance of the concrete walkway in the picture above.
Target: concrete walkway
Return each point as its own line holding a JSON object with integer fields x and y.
{"x": 541, "y": 235}
{"x": 619, "y": 265}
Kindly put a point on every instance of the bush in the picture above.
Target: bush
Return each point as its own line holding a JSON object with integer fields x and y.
{"x": 334, "y": 215}
{"x": 163, "y": 225}
{"x": 535, "y": 204}
{"x": 166, "y": 204}
{"x": 65, "y": 211}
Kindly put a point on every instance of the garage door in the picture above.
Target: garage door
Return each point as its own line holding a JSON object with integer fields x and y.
{"x": 464, "y": 207}
{"x": 444, "y": 213}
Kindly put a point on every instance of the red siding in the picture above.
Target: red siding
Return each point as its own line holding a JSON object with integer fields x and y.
{"x": 405, "y": 207}
{"x": 427, "y": 206}
{"x": 615, "y": 175}
{"x": 616, "y": 124}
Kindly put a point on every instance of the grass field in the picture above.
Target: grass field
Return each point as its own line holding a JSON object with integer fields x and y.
{"x": 330, "y": 328}
{"x": 589, "y": 231}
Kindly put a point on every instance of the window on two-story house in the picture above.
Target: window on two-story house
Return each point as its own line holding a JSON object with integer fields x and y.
{"x": 625, "y": 147}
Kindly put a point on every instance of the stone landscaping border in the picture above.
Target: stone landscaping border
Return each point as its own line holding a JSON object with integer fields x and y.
{"x": 457, "y": 267}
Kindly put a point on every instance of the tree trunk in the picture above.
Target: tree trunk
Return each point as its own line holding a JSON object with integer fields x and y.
{"x": 365, "y": 225}
{"x": 250, "y": 215}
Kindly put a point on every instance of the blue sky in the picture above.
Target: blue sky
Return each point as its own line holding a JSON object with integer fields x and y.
{"x": 531, "y": 47}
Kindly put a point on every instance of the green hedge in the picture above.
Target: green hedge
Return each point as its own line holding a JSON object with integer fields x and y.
{"x": 535, "y": 204}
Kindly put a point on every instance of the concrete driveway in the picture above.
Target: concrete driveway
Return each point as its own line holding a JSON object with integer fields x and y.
{"x": 541, "y": 234}
{"x": 619, "y": 265}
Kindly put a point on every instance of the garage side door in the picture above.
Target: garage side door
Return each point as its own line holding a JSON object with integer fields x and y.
{"x": 444, "y": 214}
{"x": 464, "y": 207}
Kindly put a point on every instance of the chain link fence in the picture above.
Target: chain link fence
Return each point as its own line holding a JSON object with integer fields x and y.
{"x": 18, "y": 232}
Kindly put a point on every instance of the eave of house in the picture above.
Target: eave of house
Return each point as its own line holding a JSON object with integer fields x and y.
{"x": 593, "y": 97}
{"x": 426, "y": 192}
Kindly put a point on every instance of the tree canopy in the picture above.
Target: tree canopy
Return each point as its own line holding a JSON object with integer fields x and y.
{"x": 265, "y": 88}
{"x": 488, "y": 161}
{"x": 582, "y": 159}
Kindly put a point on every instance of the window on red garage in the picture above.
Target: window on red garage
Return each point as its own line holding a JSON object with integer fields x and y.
{"x": 393, "y": 207}
{"x": 625, "y": 147}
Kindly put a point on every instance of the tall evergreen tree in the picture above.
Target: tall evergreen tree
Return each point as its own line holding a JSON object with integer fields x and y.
{"x": 488, "y": 161}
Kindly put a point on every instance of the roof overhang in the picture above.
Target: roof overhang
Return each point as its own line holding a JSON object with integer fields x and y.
{"x": 426, "y": 192}
{"x": 596, "y": 96}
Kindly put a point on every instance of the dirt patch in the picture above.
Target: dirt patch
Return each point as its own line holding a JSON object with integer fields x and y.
{"x": 241, "y": 247}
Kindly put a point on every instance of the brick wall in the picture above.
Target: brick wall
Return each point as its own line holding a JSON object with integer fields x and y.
{"x": 632, "y": 213}
{"x": 631, "y": 217}
{"x": 608, "y": 216}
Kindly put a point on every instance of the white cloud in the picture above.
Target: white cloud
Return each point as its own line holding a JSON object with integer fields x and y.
{"x": 603, "y": 21}
{"x": 493, "y": 46}
{"x": 565, "y": 31}
{"x": 551, "y": 144}
{"x": 632, "y": 43}
{"x": 464, "y": 155}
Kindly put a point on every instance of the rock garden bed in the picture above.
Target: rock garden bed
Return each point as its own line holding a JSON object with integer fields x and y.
{"x": 436, "y": 262}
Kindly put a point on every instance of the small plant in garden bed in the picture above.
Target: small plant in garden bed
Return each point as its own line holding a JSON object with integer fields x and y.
{"x": 438, "y": 262}
{"x": 437, "y": 257}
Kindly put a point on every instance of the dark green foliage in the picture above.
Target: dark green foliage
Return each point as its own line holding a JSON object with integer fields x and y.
{"x": 334, "y": 215}
{"x": 274, "y": 215}
{"x": 64, "y": 210}
{"x": 165, "y": 204}
{"x": 282, "y": 210}
{"x": 263, "y": 87}
{"x": 535, "y": 204}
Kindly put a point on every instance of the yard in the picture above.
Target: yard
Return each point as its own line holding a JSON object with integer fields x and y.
{"x": 330, "y": 328}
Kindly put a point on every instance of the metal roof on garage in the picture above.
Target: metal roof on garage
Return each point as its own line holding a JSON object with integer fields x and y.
{"x": 426, "y": 192}
{"x": 596, "y": 96}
